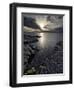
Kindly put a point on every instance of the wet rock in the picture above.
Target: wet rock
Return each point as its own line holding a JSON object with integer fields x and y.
{"x": 42, "y": 61}
{"x": 30, "y": 71}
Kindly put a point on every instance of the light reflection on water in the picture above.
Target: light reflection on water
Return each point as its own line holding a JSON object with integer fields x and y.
{"x": 48, "y": 40}
{"x": 41, "y": 40}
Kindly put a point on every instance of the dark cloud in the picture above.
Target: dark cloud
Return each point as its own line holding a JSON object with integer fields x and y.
{"x": 31, "y": 23}
{"x": 54, "y": 21}
{"x": 55, "y": 18}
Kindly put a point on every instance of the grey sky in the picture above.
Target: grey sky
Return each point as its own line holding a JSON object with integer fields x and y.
{"x": 47, "y": 22}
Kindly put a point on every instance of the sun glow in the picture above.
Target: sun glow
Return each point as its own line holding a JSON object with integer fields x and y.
{"x": 42, "y": 25}
{"x": 41, "y": 22}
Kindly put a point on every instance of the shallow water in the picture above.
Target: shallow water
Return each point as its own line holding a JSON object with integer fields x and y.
{"x": 49, "y": 40}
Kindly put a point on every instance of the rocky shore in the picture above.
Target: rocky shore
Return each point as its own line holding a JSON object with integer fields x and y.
{"x": 37, "y": 61}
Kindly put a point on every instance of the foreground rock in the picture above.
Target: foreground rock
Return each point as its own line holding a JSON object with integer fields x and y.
{"x": 44, "y": 62}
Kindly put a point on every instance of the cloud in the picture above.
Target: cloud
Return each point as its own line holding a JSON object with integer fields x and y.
{"x": 31, "y": 23}
{"x": 42, "y": 22}
{"x": 54, "y": 21}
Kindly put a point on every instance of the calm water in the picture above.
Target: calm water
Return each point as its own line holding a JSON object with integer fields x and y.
{"x": 49, "y": 40}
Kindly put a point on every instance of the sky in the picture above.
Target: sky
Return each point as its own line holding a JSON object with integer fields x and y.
{"x": 36, "y": 22}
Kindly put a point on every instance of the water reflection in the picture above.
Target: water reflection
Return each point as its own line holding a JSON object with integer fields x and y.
{"x": 42, "y": 39}
{"x": 48, "y": 40}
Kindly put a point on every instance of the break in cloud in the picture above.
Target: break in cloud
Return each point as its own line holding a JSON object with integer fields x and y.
{"x": 42, "y": 22}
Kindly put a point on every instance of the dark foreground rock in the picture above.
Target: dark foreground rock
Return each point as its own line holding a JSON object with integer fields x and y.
{"x": 43, "y": 61}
